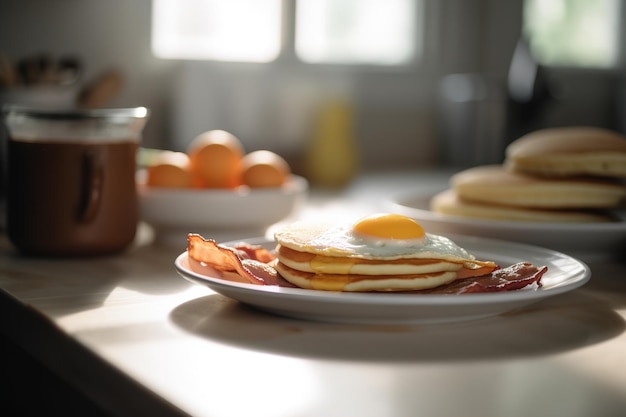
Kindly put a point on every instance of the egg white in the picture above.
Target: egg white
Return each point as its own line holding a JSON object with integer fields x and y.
{"x": 342, "y": 241}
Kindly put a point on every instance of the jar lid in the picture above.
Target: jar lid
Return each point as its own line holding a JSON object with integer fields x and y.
{"x": 76, "y": 114}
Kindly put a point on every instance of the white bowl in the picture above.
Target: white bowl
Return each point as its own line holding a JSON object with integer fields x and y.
{"x": 216, "y": 213}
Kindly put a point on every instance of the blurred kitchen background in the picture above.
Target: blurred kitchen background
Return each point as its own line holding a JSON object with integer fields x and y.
{"x": 424, "y": 82}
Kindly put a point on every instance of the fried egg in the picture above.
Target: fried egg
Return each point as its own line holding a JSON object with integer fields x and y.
{"x": 378, "y": 236}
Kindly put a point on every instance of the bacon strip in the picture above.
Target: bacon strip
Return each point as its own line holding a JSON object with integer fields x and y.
{"x": 251, "y": 262}
{"x": 514, "y": 277}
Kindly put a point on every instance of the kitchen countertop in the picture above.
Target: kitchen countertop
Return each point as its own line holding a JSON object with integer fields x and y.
{"x": 134, "y": 338}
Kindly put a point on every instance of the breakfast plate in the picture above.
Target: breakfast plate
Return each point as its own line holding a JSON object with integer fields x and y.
{"x": 588, "y": 238}
{"x": 564, "y": 274}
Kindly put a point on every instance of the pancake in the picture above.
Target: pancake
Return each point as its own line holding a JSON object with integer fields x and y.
{"x": 569, "y": 151}
{"x": 448, "y": 203}
{"x": 494, "y": 184}
{"x": 364, "y": 283}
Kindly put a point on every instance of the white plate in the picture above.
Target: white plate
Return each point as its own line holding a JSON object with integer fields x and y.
{"x": 587, "y": 238}
{"x": 564, "y": 274}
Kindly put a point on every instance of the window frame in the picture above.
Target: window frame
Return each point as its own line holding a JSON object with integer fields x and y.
{"x": 288, "y": 58}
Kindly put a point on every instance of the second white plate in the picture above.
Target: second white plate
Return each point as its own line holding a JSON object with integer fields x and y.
{"x": 587, "y": 238}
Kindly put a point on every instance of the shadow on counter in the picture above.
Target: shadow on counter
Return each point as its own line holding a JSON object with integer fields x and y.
{"x": 567, "y": 322}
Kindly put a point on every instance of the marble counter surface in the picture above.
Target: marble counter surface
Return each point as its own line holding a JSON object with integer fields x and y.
{"x": 136, "y": 338}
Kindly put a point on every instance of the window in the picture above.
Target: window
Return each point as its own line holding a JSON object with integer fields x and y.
{"x": 373, "y": 32}
{"x": 576, "y": 33}
{"x": 220, "y": 30}
{"x": 356, "y": 31}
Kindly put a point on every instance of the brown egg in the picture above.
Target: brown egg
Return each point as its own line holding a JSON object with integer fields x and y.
{"x": 264, "y": 169}
{"x": 215, "y": 159}
{"x": 170, "y": 169}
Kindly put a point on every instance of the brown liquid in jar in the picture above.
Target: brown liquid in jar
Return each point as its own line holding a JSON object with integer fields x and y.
{"x": 67, "y": 198}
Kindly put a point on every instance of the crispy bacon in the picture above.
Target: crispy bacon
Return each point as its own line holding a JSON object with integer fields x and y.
{"x": 514, "y": 277}
{"x": 254, "y": 264}
{"x": 251, "y": 262}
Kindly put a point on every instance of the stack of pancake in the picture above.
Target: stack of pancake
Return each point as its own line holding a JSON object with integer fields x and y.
{"x": 574, "y": 174}
{"x": 382, "y": 252}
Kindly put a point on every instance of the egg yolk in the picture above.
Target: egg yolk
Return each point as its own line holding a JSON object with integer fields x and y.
{"x": 389, "y": 227}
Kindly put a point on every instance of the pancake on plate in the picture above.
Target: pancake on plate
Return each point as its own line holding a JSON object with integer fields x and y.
{"x": 494, "y": 184}
{"x": 569, "y": 151}
{"x": 449, "y": 203}
{"x": 382, "y": 252}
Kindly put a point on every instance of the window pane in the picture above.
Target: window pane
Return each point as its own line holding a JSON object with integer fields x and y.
{"x": 223, "y": 30}
{"x": 357, "y": 31}
{"x": 579, "y": 33}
